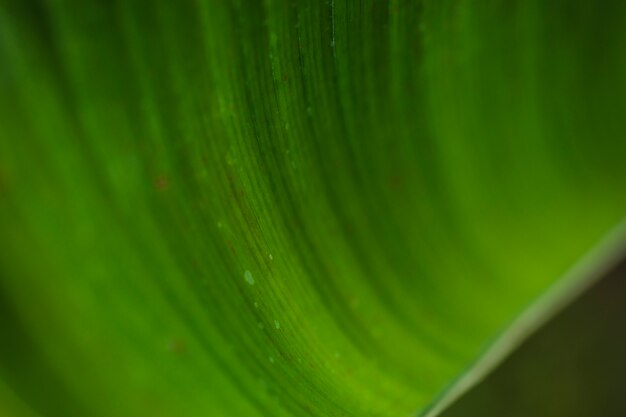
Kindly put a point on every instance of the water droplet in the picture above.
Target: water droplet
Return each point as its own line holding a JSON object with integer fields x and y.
{"x": 248, "y": 277}
{"x": 277, "y": 324}
{"x": 271, "y": 359}
{"x": 231, "y": 156}
{"x": 256, "y": 305}
{"x": 271, "y": 257}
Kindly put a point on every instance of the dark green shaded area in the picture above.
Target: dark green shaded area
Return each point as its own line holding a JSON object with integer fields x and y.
{"x": 572, "y": 367}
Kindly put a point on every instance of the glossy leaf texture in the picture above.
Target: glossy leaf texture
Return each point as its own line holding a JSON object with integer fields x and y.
{"x": 295, "y": 208}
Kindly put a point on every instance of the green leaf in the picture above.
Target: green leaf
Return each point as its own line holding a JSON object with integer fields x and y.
{"x": 571, "y": 367}
{"x": 296, "y": 208}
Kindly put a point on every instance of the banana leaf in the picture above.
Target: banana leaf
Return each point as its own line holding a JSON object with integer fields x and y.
{"x": 296, "y": 208}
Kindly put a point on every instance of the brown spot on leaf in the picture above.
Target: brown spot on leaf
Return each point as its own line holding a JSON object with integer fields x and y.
{"x": 396, "y": 182}
{"x": 231, "y": 246}
{"x": 176, "y": 346}
{"x": 162, "y": 183}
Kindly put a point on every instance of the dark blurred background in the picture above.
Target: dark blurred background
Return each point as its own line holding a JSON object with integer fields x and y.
{"x": 575, "y": 366}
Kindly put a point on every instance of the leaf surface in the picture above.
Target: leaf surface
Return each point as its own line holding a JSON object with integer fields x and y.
{"x": 247, "y": 208}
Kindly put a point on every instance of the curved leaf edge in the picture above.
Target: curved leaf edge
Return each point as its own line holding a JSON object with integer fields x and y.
{"x": 592, "y": 267}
